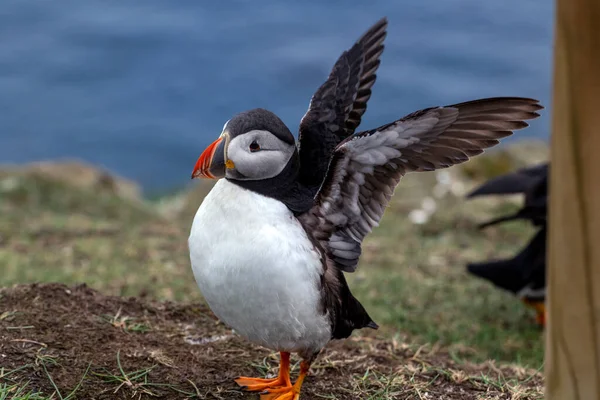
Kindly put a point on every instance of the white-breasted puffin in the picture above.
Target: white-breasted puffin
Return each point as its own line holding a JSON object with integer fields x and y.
{"x": 270, "y": 243}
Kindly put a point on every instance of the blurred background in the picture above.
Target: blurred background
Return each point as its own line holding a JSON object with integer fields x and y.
{"x": 141, "y": 88}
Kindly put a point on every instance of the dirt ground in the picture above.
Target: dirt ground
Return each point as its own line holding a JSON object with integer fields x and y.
{"x": 76, "y": 343}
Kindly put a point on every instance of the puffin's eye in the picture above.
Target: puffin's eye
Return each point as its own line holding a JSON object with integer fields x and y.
{"x": 254, "y": 146}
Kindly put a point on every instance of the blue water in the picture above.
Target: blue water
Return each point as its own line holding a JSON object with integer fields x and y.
{"x": 141, "y": 87}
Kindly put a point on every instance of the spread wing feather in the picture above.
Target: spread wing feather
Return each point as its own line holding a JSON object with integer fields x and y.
{"x": 336, "y": 108}
{"x": 366, "y": 167}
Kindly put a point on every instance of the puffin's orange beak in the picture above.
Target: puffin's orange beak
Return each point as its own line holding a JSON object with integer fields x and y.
{"x": 211, "y": 163}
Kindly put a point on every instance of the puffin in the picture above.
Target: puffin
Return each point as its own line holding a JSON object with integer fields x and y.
{"x": 271, "y": 242}
{"x": 524, "y": 275}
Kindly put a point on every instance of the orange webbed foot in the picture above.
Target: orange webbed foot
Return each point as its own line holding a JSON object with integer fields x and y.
{"x": 284, "y": 393}
{"x": 288, "y": 392}
{"x": 258, "y": 384}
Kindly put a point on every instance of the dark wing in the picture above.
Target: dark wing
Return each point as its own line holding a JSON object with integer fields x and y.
{"x": 514, "y": 274}
{"x": 532, "y": 181}
{"x": 517, "y": 182}
{"x": 337, "y": 106}
{"x": 366, "y": 167}
{"x": 536, "y": 201}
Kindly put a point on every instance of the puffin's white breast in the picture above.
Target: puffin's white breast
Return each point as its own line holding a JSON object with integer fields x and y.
{"x": 258, "y": 270}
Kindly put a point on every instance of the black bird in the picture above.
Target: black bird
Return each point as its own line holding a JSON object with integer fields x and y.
{"x": 271, "y": 242}
{"x": 525, "y": 274}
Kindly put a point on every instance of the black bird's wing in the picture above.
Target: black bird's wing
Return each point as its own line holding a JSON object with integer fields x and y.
{"x": 516, "y": 182}
{"x": 526, "y": 270}
{"x": 336, "y": 108}
{"x": 533, "y": 182}
{"x": 366, "y": 167}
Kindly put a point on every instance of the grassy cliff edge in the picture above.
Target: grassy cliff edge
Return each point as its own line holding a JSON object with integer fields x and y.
{"x": 440, "y": 326}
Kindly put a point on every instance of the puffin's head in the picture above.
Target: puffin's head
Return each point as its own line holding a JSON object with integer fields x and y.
{"x": 254, "y": 145}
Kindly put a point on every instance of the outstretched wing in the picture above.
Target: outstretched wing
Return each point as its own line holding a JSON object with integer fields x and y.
{"x": 337, "y": 106}
{"x": 366, "y": 167}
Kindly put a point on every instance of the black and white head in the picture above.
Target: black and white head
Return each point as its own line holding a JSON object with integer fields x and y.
{"x": 254, "y": 145}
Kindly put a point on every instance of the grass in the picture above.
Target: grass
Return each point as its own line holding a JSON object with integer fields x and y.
{"x": 90, "y": 358}
{"x": 126, "y": 323}
{"x": 136, "y": 381}
{"x": 17, "y": 391}
{"x": 72, "y": 393}
{"x": 419, "y": 285}
{"x": 20, "y": 390}
{"x": 412, "y": 276}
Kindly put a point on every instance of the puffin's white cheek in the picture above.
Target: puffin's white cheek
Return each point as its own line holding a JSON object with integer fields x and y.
{"x": 260, "y": 165}
{"x": 243, "y": 163}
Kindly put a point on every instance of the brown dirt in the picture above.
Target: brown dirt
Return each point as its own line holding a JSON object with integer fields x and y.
{"x": 53, "y": 333}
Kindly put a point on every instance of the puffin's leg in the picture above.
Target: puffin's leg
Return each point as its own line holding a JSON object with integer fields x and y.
{"x": 291, "y": 392}
{"x": 258, "y": 384}
{"x": 540, "y": 309}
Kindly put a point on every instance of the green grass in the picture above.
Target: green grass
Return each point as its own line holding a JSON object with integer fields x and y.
{"x": 19, "y": 392}
{"x": 411, "y": 279}
{"x": 126, "y": 323}
{"x": 138, "y": 383}
{"x": 20, "y": 389}
{"x": 10, "y": 390}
